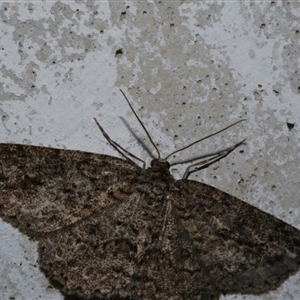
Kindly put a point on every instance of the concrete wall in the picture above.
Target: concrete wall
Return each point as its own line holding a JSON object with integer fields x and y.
{"x": 188, "y": 68}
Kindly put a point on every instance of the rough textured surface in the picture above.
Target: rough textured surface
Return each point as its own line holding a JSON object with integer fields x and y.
{"x": 190, "y": 67}
{"x": 107, "y": 228}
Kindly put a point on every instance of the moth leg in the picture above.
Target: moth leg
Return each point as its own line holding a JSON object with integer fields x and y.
{"x": 119, "y": 148}
{"x": 205, "y": 163}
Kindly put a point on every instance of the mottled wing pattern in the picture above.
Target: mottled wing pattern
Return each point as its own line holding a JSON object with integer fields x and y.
{"x": 135, "y": 248}
{"x": 171, "y": 268}
{"x": 108, "y": 228}
{"x": 244, "y": 248}
{"x": 44, "y": 189}
{"x": 95, "y": 256}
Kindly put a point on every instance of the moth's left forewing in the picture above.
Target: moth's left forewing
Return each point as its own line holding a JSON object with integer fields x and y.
{"x": 244, "y": 248}
{"x": 44, "y": 189}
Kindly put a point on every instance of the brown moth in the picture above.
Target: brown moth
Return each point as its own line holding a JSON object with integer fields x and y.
{"x": 107, "y": 228}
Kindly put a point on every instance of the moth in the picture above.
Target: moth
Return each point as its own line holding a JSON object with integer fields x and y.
{"x": 108, "y": 228}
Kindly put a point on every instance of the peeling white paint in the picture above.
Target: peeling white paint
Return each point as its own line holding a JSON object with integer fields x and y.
{"x": 189, "y": 69}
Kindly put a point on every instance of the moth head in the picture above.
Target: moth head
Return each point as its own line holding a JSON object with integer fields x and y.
{"x": 160, "y": 163}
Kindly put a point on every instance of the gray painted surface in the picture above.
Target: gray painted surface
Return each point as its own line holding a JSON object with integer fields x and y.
{"x": 189, "y": 69}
